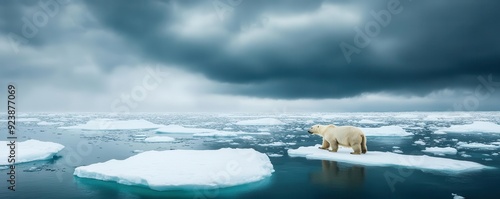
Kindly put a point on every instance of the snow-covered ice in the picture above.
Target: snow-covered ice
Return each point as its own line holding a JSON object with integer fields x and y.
{"x": 183, "y": 169}
{"x": 31, "y": 150}
{"x": 385, "y": 131}
{"x": 159, "y": 139}
{"x": 475, "y": 127}
{"x": 108, "y": 124}
{"x": 441, "y": 150}
{"x": 274, "y": 155}
{"x": 476, "y": 145}
{"x": 261, "y": 121}
{"x": 377, "y": 158}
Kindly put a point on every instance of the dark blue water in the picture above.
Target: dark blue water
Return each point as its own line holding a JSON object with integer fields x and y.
{"x": 293, "y": 177}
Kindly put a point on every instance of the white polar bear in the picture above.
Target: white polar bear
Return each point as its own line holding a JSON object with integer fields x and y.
{"x": 347, "y": 136}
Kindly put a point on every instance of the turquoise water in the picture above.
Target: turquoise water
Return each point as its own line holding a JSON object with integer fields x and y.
{"x": 293, "y": 177}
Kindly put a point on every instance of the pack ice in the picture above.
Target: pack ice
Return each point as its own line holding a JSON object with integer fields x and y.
{"x": 475, "y": 127}
{"x": 30, "y": 150}
{"x": 183, "y": 169}
{"x": 377, "y": 158}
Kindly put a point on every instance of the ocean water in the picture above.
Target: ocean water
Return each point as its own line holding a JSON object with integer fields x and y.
{"x": 293, "y": 177}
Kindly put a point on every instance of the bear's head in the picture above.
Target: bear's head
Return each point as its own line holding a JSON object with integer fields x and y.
{"x": 316, "y": 129}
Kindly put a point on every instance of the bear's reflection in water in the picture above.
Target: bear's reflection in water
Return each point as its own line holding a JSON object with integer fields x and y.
{"x": 333, "y": 176}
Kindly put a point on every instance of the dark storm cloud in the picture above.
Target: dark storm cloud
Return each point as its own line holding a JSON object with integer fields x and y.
{"x": 429, "y": 46}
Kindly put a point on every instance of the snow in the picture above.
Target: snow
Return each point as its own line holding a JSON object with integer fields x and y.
{"x": 183, "y": 169}
{"x": 108, "y": 124}
{"x": 377, "y": 158}
{"x": 180, "y": 129}
{"x": 439, "y": 150}
{"x": 397, "y": 151}
{"x": 476, "y": 145}
{"x": 278, "y": 144}
{"x": 385, "y": 131}
{"x": 477, "y": 126}
{"x": 455, "y": 196}
{"x": 366, "y": 121}
{"x": 159, "y": 139}
{"x": 30, "y": 150}
{"x": 44, "y": 123}
{"x": 261, "y": 121}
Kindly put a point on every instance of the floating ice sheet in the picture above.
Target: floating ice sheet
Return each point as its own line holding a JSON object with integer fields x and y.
{"x": 386, "y": 131}
{"x": 107, "y": 124}
{"x": 30, "y": 150}
{"x": 261, "y": 121}
{"x": 377, "y": 158}
{"x": 475, "y": 127}
{"x": 183, "y": 169}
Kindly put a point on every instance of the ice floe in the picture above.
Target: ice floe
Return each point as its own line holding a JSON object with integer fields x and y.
{"x": 31, "y": 150}
{"x": 261, "y": 121}
{"x": 455, "y": 196}
{"x": 177, "y": 129}
{"x": 274, "y": 155}
{"x": 385, "y": 131}
{"x": 475, "y": 127}
{"x": 278, "y": 144}
{"x": 419, "y": 142}
{"x": 377, "y": 158}
{"x": 183, "y": 169}
{"x": 108, "y": 124}
{"x": 159, "y": 139}
{"x": 441, "y": 150}
{"x": 476, "y": 145}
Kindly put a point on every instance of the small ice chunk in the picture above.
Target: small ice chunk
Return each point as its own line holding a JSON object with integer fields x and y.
{"x": 455, "y": 196}
{"x": 278, "y": 144}
{"x": 397, "y": 151}
{"x": 495, "y": 154}
{"x": 247, "y": 137}
{"x": 475, "y": 145}
{"x": 159, "y": 139}
{"x": 183, "y": 169}
{"x": 180, "y": 129}
{"x": 137, "y": 151}
{"x": 31, "y": 150}
{"x": 465, "y": 155}
{"x": 44, "y": 123}
{"x": 395, "y": 147}
{"x": 439, "y": 150}
{"x": 419, "y": 142}
{"x": 475, "y": 127}
{"x": 108, "y": 124}
{"x": 261, "y": 121}
{"x": 274, "y": 155}
{"x": 377, "y": 158}
{"x": 386, "y": 131}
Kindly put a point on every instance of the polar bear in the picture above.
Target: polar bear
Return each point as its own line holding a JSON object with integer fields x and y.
{"x": 347, "y": 136}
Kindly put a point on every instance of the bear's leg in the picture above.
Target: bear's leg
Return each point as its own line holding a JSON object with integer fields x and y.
{"x": 325, "y": 145}
{"x": 356, "y": 148}
{"x": 335, "y": 146}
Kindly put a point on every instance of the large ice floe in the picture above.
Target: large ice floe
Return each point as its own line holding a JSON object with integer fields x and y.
{"x": 30, "y": 150}
{"x": 261, "y": 121}
{"x": 377, "y": 158}
{"x": 476, "y": 145}
{"x": 385, "y": 131}
{"x": 202, "y": 132}
{"x": 108, "y": 124}
{"x": 475, "y": 127}
{"x": 183, "y": 169}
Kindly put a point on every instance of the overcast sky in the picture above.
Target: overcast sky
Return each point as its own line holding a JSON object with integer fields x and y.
{"x": 251, "y": 55}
